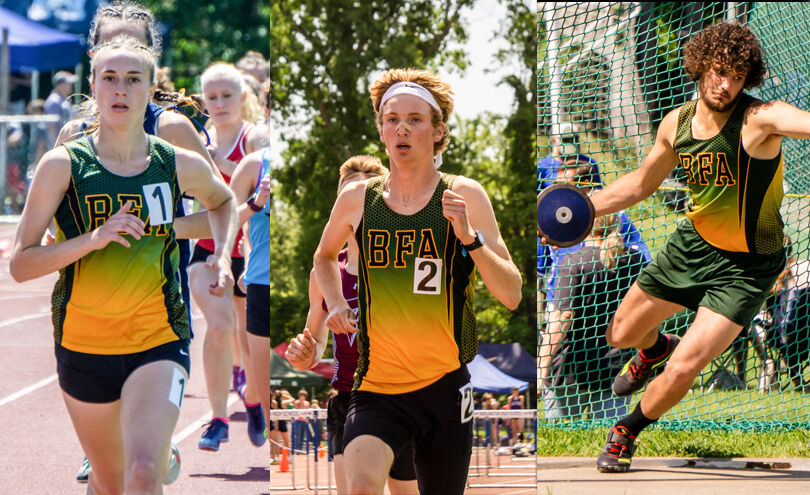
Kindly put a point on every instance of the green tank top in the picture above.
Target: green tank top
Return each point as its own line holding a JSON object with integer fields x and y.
{"x": 735, "y": 198}
{"x": 415, "y": 295}
{"x": 119, "y": 300}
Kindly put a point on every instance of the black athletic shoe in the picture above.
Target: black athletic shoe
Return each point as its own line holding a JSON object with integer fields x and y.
{"x": 638, "y": 370}
{"x": 618, "y": 451}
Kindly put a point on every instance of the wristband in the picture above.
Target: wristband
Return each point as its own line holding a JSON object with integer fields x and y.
{"x": 251, "y": 202}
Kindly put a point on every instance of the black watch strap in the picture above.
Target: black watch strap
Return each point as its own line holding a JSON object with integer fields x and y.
{"x": 475, "y": 244}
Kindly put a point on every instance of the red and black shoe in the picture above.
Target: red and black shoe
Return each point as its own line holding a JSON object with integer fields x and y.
{"x": 638, "y": 370}
{"x": 618, "y": 451}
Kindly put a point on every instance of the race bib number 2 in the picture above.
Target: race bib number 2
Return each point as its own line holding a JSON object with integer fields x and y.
{"x": 159, "y": 203}
{"x": 467, "y": 406}
{"x": 427, "y": 276}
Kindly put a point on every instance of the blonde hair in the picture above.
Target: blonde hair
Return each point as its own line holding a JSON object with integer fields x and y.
{"x": 606, "y": 232}
{"x": 250, "y": 109}
{"x": 370, "y": 166}
{"x": 439, "y": 89}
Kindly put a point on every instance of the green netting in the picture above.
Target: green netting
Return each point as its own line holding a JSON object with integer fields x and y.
{"x": 607, "y": 74}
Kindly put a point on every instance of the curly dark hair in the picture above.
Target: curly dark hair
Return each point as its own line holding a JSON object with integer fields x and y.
{"x": 728, "y": 47}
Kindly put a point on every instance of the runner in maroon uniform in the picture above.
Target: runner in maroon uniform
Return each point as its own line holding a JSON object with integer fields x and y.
{"x": 306, "y": 349}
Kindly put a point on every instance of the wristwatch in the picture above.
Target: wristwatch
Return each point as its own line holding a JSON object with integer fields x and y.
{"x": 251, "y": 202}
{"x": 477, "y": 243}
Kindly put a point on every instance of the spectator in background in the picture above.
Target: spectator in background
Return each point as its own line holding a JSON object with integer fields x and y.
{"x": 254, "y": 63}
{"x": 584, "y": 174}
{"x": 37, "y": 137}
{"x": 58, "y": 103}
{"x": 300, "y": 430}
{"x": 516, "y": 401}
{"x": 577, "y": 364}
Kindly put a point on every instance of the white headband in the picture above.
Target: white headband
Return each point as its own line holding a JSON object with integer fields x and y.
{"x": 413, "y": 89}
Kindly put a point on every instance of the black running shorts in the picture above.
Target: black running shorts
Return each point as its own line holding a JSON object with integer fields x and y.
{"x": 336, "y": 410}
{"x": 258, "y": 310}
{"x": 99, "y": 378}
{"x": 430, "y": 419}
{"x": 237, "y": 266}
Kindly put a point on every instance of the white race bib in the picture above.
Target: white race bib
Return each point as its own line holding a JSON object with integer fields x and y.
{"x": 427, "y": 276}
{"x": 158, "y": 203}
{"x": 467, "y": 406}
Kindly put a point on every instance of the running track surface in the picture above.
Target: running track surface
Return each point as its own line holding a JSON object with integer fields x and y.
{"x": 40, "y": 453}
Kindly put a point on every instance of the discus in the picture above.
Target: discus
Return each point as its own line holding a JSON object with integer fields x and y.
{"x": 564, "y": 215}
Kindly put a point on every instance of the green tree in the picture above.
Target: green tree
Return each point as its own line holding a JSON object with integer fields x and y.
{"x": 323, "y": 56}
{"x": 206, "y": 32}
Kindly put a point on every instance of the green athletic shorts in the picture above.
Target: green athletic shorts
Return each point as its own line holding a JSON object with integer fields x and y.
{"x": 691, "y": 272}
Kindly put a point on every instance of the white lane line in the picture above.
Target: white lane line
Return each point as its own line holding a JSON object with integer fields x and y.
{"x": 27, "y": 390}
{"x": 13, "y": 321}
{"x": 197, "y": 424}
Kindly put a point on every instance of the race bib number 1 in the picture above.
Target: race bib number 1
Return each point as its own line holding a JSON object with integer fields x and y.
{"x": 466, "y": 402}
{"x": 427, "y": 276}
{"x": 158, "y": 203}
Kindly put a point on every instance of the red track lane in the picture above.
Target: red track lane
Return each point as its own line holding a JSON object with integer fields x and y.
{"x": 40, "y": 453}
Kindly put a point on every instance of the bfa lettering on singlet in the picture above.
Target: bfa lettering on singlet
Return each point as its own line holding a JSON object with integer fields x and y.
{"x": 701, "y": 167}
{"x": 426, "y": 262}
{"x": 158, "y": 202}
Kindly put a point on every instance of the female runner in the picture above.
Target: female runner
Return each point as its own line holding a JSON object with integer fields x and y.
{"x": 232, "y": 138}
{"x": 120, "y": 324}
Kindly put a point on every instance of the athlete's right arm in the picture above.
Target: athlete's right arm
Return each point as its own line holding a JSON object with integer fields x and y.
{"x": 306, "y": 348}
{"x": 638, "y": 184}
{"x": 346, "y": 214}
{"x": 30, "y": 259}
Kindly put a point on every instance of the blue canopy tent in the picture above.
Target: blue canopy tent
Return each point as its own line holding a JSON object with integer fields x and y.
{"x": 487, "y": 378}
{"x": 34, "y": 47}
{"x": 30, "y": 47}
{"x": 512, "y": 359}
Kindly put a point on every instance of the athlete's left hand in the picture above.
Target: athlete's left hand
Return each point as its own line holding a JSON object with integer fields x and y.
{"x": 263, "y": 194}
{"x": 454, "y": 208}
{"x": 224, "y": 281}
{"x": 241, "y": 283}
{"x": 301, "y": 351}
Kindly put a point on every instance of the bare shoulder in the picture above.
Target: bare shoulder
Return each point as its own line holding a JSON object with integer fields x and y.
{"x": 171, "y": 122}
{"x": 54, "y": 169}
{"x": 668, "y": 127}
{"x": 468, "y": 187}
{"x": 761, "y": 111}
{"x": 259, "y": 137}
{"x": 353, "y": 194}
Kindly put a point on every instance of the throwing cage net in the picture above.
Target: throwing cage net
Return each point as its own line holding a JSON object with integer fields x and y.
{"x": 608, "y": 72}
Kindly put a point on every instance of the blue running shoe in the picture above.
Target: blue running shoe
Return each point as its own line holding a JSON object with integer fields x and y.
{"x": 84, "y": 472}
{"x": 216, "y": 432}
{"x": 257, "y": 428}
{"x": 174, "y": 466}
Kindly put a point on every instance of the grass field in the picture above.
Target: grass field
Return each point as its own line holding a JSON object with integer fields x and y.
{"x": 657, "y": 442}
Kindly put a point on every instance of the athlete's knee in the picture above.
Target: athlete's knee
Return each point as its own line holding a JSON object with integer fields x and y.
{"x": 144, "y": 475}
{"x": 617, "y": 334}
{"x": 364, "y": 482}
{"x": 100, "y": 485}
{"x": 219, "y": 328}
{"x": 680, "y": 375}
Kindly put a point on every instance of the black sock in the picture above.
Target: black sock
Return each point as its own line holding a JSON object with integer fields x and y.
{"x": 636, "y": 421}
{"x": 658, "y": 349}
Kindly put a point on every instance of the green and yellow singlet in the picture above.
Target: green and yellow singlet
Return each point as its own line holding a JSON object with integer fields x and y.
{"x": 735, "y": 198}
{"x": 416, "y": 320}
{"x": 119, "y": 300}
